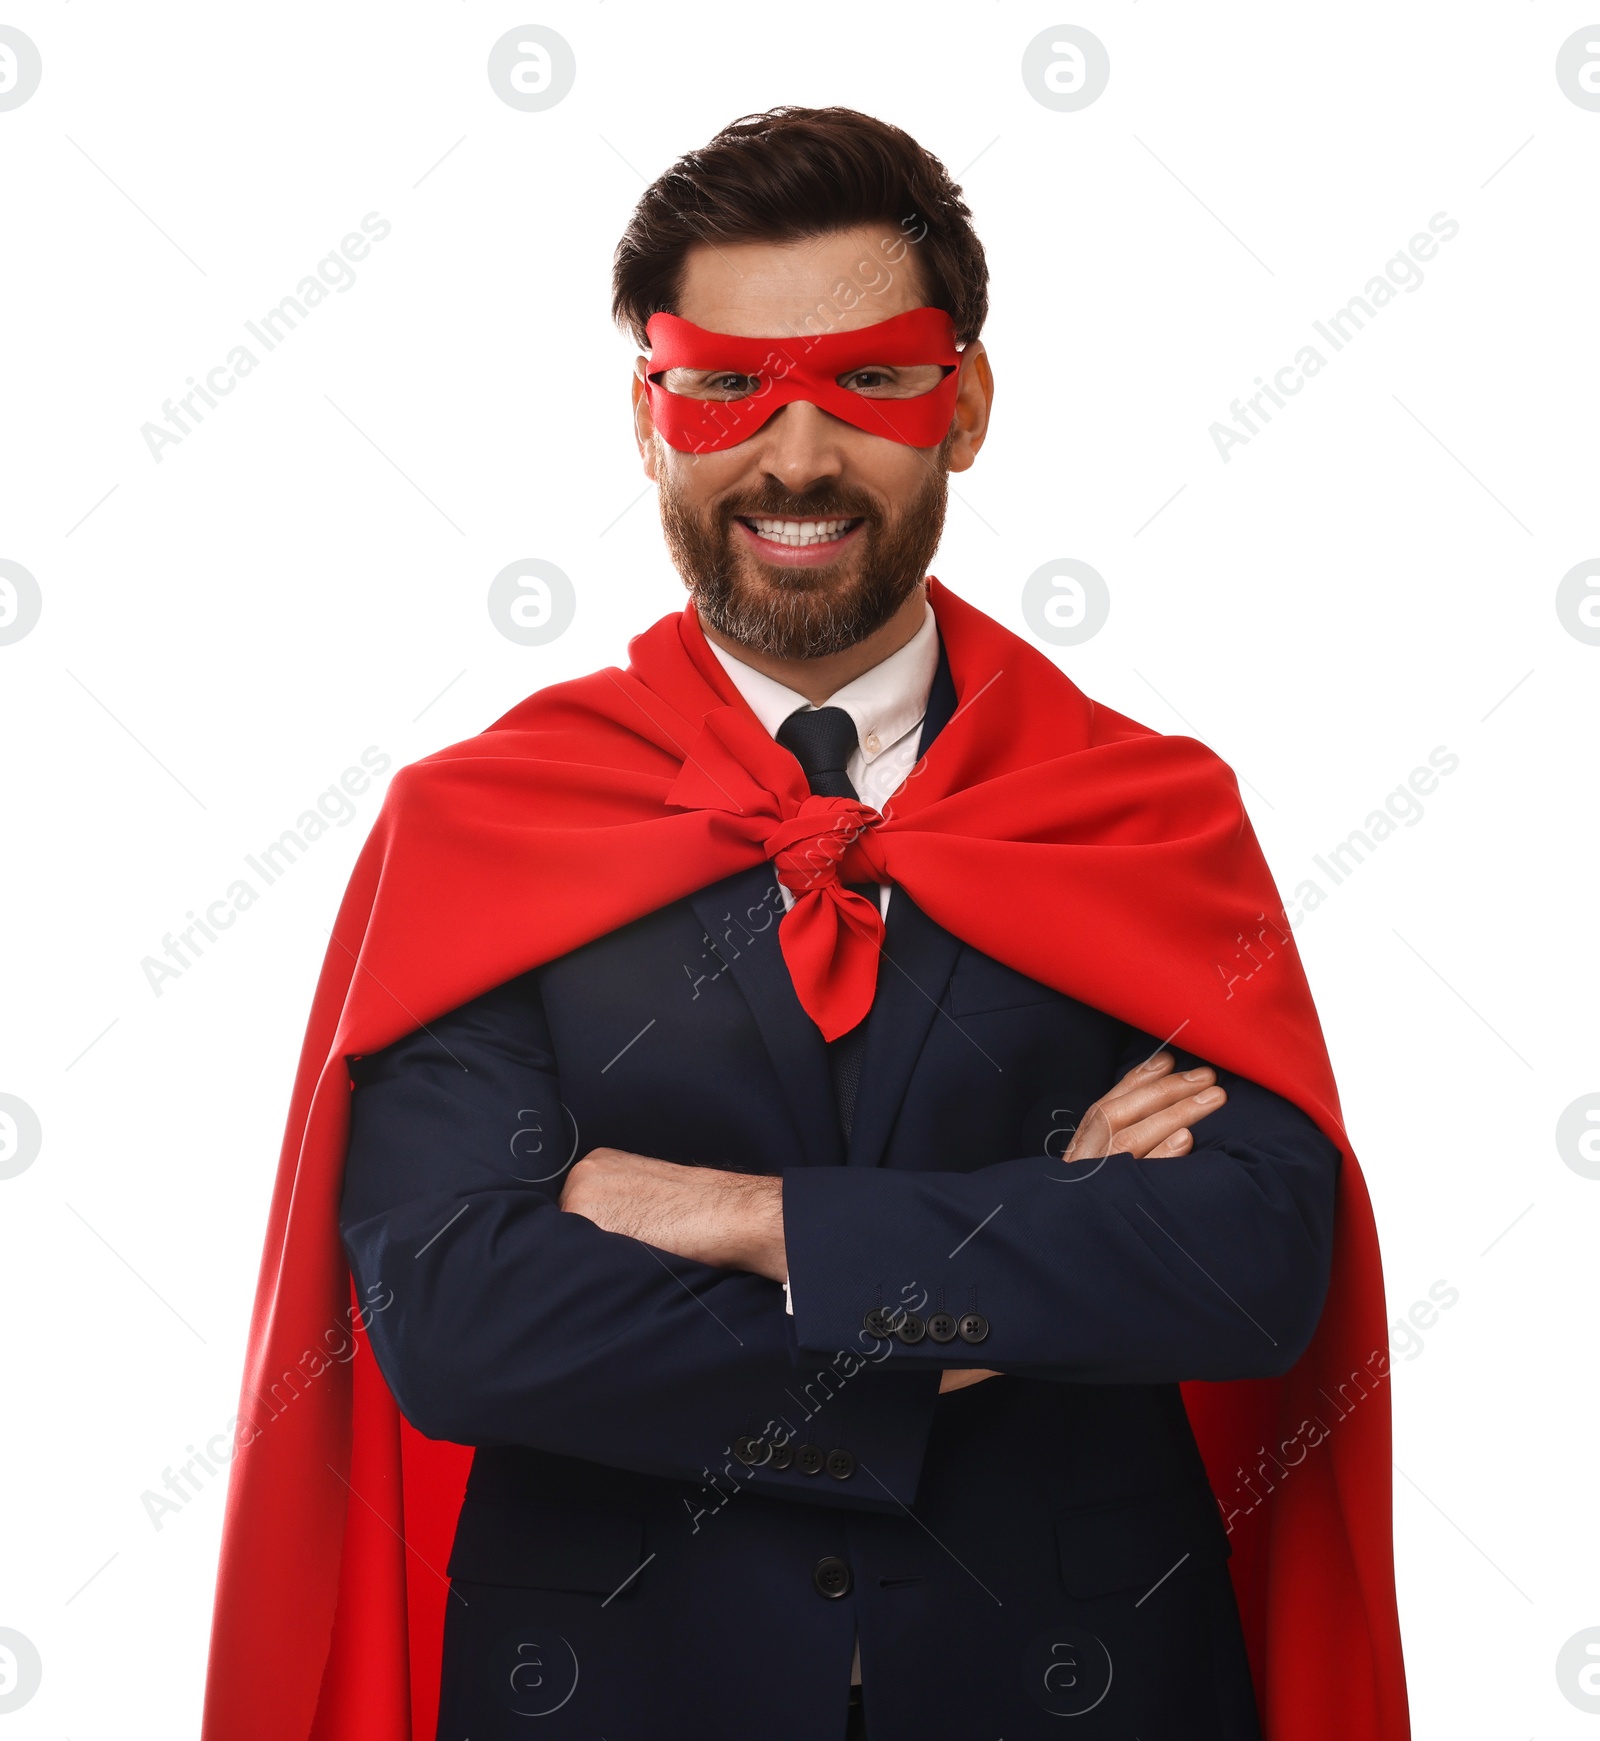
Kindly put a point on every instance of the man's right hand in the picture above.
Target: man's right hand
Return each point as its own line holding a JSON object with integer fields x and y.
{"x": 1147, "y": 1115}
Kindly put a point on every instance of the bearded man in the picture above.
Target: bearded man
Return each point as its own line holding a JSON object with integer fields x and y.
{"x": 826, "y": 1128}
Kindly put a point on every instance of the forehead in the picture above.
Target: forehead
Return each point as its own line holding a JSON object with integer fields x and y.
{"x": 769, "y": 289}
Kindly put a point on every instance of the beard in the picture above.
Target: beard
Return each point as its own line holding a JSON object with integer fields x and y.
{"x": 805, "y": 613}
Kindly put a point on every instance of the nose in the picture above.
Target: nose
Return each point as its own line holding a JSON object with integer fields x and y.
{"x": 801, "y": 446}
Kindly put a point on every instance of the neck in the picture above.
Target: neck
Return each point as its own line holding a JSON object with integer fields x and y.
{"x": 817, "y": 679}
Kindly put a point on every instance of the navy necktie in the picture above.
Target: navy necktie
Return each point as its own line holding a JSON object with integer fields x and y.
{"x": 822, "y": 740}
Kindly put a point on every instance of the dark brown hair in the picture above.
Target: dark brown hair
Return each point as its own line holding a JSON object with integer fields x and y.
{"x": 791, "y": 173}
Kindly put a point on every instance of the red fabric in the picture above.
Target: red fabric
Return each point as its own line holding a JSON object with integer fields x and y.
{"x": 807, "y": 367}
{"x": 1060, "y": 838}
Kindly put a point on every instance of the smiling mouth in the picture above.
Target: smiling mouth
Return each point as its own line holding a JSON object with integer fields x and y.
{"x": 796, "y": 534}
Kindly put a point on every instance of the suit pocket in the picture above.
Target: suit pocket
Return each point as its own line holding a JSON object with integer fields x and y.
{"x": 1129, "y": 1544}
{"x": 546, "y": 1547}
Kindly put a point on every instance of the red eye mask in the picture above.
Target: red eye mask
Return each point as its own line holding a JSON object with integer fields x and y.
{"x": 806, "y": 367}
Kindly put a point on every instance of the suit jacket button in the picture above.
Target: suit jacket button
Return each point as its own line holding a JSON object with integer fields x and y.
{"x": 974, "y": 1327}
{"x": 751, "y": 1452}
{"x": 782, "y": 1457}
{"x": 942, "y": 1327}
{"x": 911, "y": 1329}
{"x": 809, "y": 1460}
{"x": 832, "y": 1577}
{"x": 879, "y": 1322}
{"x": 841, "y": 1465}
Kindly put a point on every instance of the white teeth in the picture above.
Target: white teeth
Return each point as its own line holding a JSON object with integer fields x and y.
{"x": 801, "y": 532}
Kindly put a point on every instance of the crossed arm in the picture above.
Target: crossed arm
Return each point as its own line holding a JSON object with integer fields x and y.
{"x": 631, "y": 1316}
{"x": 735, "y": 1220}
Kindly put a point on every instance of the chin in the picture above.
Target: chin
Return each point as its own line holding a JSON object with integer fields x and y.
{"x": 842, "y": 574}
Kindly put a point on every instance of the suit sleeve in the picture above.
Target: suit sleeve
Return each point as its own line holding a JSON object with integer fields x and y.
{"x": 1213, "y": 1265}
{"x": 511, "y": 1322}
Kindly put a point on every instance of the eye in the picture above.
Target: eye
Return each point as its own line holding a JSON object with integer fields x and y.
{"x": 898, "y": 381}
{"x": 711, "y": 383}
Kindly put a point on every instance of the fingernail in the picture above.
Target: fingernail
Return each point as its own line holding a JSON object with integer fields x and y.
{"x": 1156, "y": 1062}
{"x": 1199, "y": 1075}
{"x": 1209, "y": 1097}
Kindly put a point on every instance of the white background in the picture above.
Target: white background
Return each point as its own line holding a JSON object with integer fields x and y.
{"x": 305, "y": 575}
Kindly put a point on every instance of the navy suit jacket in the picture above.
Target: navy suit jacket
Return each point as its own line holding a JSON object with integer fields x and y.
{"x": 686, "y": 1505}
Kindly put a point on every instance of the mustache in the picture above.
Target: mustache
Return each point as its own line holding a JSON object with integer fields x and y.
{"x": 828, "y": 502}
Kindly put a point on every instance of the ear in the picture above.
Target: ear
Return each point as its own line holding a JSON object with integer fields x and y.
{"x": 974, "y": 397}
{"x": 644, "y": 425}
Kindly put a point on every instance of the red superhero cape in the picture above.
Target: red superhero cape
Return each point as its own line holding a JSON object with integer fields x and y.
{"x": 599, "y": 800}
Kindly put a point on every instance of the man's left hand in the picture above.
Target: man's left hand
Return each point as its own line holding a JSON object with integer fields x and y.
{"x": 728, "y": 1220}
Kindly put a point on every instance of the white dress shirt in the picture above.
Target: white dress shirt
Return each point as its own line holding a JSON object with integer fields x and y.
{"x": 887, "y": 703}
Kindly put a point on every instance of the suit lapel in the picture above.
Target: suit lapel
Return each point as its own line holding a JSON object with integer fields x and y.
{"x": 756, "y": 965}
{"x": 918, "y": 957}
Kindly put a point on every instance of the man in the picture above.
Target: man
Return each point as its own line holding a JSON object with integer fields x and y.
{"x": 765, "y": 1140}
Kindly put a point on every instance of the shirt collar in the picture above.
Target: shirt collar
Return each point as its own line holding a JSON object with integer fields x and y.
{"x": 885, "y": 702}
